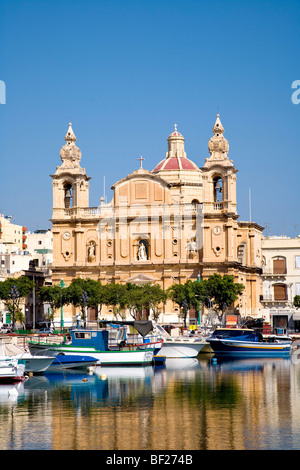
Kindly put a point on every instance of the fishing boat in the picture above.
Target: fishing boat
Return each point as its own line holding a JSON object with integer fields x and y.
{"x": 94, "y": 343}
{"x": 11, "y": 370}
{"x": 180, "y": 346}
{"x": 244, "y": 342}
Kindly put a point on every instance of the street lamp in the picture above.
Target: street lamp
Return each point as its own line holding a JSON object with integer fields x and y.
{"x": 210, "y": 305}
{"x": 199, "y": 313}
{"x": 61, "y": 285}
{"x": 14, "y": 294}
{"x": 84, "y": 301}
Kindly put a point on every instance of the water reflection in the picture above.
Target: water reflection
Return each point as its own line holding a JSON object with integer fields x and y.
{"x": 186, "y": 405}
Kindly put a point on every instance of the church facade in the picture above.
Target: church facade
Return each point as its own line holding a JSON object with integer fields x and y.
{"x": 174, "y": 223}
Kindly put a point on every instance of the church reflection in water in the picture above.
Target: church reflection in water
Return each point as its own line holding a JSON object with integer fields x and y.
{"x": 186, "y": 405}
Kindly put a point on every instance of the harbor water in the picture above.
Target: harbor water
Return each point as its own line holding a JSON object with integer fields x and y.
{"x": 188, "y": 404}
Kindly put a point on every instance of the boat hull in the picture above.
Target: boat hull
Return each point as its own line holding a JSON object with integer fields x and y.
{"x": 114, "y": 357}
{"x": 37, "y": 364}
{"x": 181, "y": 349}
{"x": 62, "y": 362}
{"x": 12, "y": 371}
{"x": 249, "y": 349}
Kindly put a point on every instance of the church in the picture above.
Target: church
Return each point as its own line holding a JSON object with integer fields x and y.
{"x": 178, "y": 221}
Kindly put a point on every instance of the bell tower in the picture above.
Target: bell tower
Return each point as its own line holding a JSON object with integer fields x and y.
{"x": 219, "y": 175}
{"x": 219, "y": 200}
{"x": 70, "y": 181}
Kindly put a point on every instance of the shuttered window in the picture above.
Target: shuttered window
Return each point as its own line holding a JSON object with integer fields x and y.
{"x": 280, "y": 292}
{"x": 279, "y": 266}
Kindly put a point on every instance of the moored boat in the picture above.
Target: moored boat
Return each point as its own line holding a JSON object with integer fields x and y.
{"x": 61, "y": 362}
{"x": 34, "y": 364}
{"x": 11, "y": 370}
{"x": 180, "y": 346}
{"x": 94, "y": 343}
{"x": 245, "y": 342}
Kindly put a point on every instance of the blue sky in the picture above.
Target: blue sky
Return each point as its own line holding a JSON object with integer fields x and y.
{"x": 123, "y": 72}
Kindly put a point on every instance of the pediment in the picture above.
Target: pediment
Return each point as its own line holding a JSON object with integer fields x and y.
{"x": 141, "y": 279}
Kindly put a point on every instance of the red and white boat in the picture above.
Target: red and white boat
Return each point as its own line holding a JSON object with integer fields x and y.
{"x": 12, "y": 370}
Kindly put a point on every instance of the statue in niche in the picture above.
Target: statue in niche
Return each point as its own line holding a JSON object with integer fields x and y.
{"x": 192, "y": 246}
{"x": 91, "y": 252}
{"x": 142, "y": 252}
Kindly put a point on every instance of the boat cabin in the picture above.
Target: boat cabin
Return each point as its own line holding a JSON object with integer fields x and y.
{"x": 97, "y": 339}
{"x": 241, "y": 334}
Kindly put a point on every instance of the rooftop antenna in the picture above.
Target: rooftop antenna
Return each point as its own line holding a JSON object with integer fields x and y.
{"x": 250, "y": 216}
{"x": 267, "y": 228}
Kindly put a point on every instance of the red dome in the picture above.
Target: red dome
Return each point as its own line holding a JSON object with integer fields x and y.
{"x": 175, "y": 163}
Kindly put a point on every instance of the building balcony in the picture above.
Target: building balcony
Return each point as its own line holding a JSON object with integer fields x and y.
{"x": 274, "y": 274}
{"x": 268, "y": 299}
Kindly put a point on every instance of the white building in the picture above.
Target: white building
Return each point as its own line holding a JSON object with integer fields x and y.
{"x": 281, "y": 281}
{"x": 40, "y": 247}
{"x": 13, "y": 236}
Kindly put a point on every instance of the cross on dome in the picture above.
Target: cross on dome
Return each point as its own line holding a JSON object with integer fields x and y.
{"x": 140, "y": 160}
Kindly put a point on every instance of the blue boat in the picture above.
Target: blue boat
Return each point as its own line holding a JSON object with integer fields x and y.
{"x": 244, "y": 342}
{"x": 63, "y": 362}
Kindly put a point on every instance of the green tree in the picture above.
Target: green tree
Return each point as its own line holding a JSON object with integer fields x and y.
{"x": 184, "y": 296}
{"x": 296, "y": 301}
{"x": 115, "y": 296}
{"x": 223, "y": 291}
{"x": 95, "y": 294}
{"x": 55, "y": 296}
{"x": 134, "y": 299}
{"x": 153, "y": 297}
{"x": 24, "y": 286}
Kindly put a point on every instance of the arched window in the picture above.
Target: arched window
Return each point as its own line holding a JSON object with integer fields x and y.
{"x": 218, "y": 189}
{"x": 68, "y": 195}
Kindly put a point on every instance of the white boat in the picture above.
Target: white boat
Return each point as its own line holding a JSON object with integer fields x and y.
{"x": 94, "y": 343}
{"x": 12, "y": 370}
{"x": 180, "y": 346}
{"x": 34, "y": 364}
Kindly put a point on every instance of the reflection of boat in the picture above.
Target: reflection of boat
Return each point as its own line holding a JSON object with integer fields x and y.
{"x": 246, "y": 364}
{"x": 34, "y": 364}
{"x": 10, "y": 393}
{"x": 11, "y": 370}
{"x": 124, "y": 373}
{"x": 243, "y": 342}
{"x": 94, "y": 343}
{"x": 180, "y": 346}
{"x": 186, "y": 363}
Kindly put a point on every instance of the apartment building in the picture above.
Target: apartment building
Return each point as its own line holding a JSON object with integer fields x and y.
{"x": 281, "y": 281}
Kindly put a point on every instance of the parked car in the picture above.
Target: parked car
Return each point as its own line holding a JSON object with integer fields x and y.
{"x": 6, "y": 328}
{"x": 45, "y": 331}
